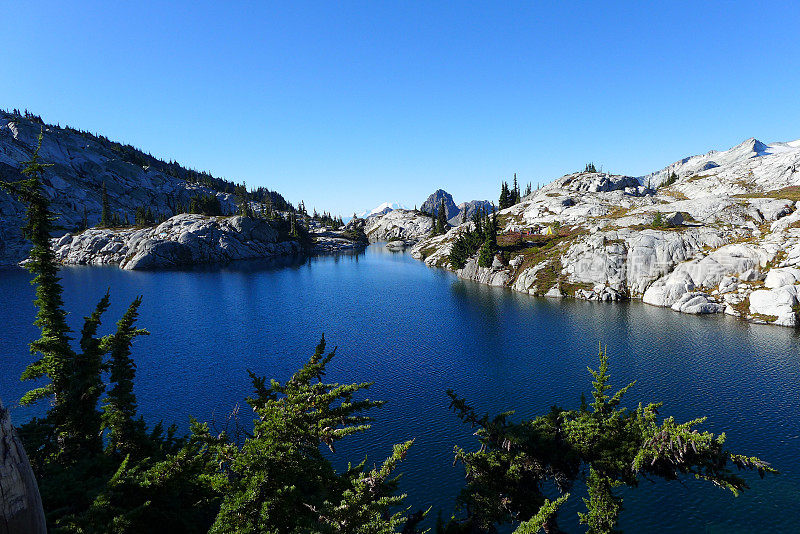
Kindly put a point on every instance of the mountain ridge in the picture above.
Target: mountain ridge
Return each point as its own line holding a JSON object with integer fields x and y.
{"x": 81, "y": 163}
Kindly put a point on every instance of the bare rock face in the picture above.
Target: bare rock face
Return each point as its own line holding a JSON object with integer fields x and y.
{"x": 406, "y": 225}
{"x": 20, "y": 504}
{"x": 598, "y": 182}
{"x": 182, "y": 240}
{"x": 493, "y": 276}
{"x": 467, "y": 209}
{"x": 434, "y": 202}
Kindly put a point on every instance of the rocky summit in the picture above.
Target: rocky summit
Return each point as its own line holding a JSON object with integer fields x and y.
{"x": 717, "y": 233}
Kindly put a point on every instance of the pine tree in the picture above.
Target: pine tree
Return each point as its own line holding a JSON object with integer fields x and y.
{"x": 55, "y": 354}
{"x": 74, "y": 379}
{"x": 487, "y": 252}
{"x": 505, "y": 196}
{"x": 279, "y": 481}
{"x": 441, "y": 219}
{"x": 477, "y": 220}
{"x": 80, "y": 431}
{"x": 120, "y": 405}
{"x": 243, "y": 200}
{"x": 105, "y": 213}
{"x": 268, "y": 206}
{"x": 658, "y": 220}
{"x": 489, "y": 247}
{"x": 515, "y": 192}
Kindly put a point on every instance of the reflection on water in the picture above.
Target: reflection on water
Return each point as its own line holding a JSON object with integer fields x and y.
{"x": 417, "y": 331}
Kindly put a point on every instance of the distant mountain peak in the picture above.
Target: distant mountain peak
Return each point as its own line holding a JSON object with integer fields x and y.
{"x": 382, "y": 209}
{"x": 434, "y": 202}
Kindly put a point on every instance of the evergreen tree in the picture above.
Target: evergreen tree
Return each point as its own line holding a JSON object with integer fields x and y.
{"x": 53, "y": 349}
{"x": 205, "y": 204}
{"x": 477, "y": 220}
{"x": 671, "y": 179}
{"x": 441, "y": 219}
{"x": 120, "y": 405}
{"x": 489, "y": 247}
{"x": 278, "y": 480}
{"x": 268, "y": 207}
{"x": 243, "y": 200}
{"x": 79, "y": 433}
{"x": 505, "y": 196}
{"x": 65, "y": 447}
{"x": 658, "y": 220}
{"x": 487, "y": 252}
{"x": 515, "y": 193}
{"x": 175, "y": 490}
{"x": 105, "y": 214}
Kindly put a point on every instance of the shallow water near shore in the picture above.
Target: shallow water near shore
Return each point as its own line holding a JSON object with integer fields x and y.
{"x": 415, "y": 332}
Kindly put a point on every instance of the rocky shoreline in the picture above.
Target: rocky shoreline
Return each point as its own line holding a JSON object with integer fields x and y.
{"x": 188, "y": 239}
{"x": 728, "y": 238}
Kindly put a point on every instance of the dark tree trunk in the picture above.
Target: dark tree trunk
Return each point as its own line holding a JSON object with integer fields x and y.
{"x": 20, "y": 504}
{"x": 551, "y": 526}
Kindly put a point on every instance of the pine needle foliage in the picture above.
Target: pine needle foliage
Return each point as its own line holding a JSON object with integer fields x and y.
{"x": 278, "y": 479}
{"x": 127, "y": 434}
{"x": 52, "y": 349}
{"x": 518, "y": 464}
{"x": 472, "y": 239}
{"x": 441, "y": 219}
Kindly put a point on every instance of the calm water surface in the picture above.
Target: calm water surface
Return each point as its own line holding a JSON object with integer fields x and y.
{"x": 417, "y": 331}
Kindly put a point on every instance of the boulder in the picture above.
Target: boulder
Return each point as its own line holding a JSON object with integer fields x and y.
{"x": 784, "y": 276}
{"x": 399, "y": 244}
{"x": 778, "y": 302}
{"x": 673, "y": 219}
{"x": 697, "y": 303}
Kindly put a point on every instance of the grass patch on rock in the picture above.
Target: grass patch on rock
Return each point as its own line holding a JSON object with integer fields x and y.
{"x": 791, "y": 192}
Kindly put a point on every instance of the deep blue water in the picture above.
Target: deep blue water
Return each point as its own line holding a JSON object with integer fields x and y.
{"x": 417, "y": 331}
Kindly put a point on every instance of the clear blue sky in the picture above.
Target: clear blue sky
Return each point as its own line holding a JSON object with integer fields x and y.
{"x": 345, "y": 105}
